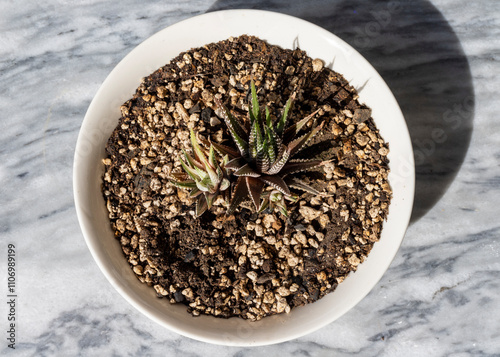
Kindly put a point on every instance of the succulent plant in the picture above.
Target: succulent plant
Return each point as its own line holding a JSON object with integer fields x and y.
{"x": 265, "y": 150}
{"x": 204, "y": 175}
{"x": 275, "y": 200}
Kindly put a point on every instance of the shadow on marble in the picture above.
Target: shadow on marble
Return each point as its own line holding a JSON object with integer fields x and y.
{"x": 420, "y": 57}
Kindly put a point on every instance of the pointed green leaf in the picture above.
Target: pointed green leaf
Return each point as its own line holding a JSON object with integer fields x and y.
{"x": 269, "y": 123}
{"x": 301, "y": 185}
{"x": 260, "y": 141}
{"x": 201, "y": 205}
{"x": 299, "y": 165}
{"x": 292, "y": 198}
{"x": 240, "y": 143}
{"x": 214, "y": 176}
{"x": 224, "y": 150}
{"x": 246, "y": 170}
{"x": 184, "y": 184}
{"x": 200, "y": 155}
{"x": 276, "y": 182}
{"x": 272, "y": 139}
{"x": 195, "y": 165}
{"x": 209, "y": 197}
{"x": 284, "y": 117}
{"x": 212, "y": 160}
{"x": 237, "y": 131}
{"x": 191, "y": 172}
{"x": 264, "y": 205}
{"x": 220, "y": 174}
{"x": 219, "y": 168}
{"x": 255, "y": 139}
{"x": 195, "y": 192}
{"x": 236, "y": 163}
{"x": 193, "y": 162}
{"x": 299, "y": 143}
{"x": 230, "y": 120}
{"x": 255, "y": 187}
{"x": 182, "y": 176}
{"x": 282, "y": 209}
{"x": 293, "y": 130}
{"x": 255, "y": 102}
{"x": 240, "y": 193}
{"x": 271, "y": 143}
{"x": 198, "y": 152}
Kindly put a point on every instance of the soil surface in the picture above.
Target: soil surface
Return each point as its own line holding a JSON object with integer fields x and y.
{"x": 247, "y": 264}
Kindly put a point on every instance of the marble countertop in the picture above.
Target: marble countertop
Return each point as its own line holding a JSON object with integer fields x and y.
{"x": 441, "y": 295}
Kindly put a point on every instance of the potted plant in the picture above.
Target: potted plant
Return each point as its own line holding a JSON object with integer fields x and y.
{"x": 245, "y": 180}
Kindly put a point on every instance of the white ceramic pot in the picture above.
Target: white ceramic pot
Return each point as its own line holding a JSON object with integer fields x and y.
{"x": 102, "y": 117}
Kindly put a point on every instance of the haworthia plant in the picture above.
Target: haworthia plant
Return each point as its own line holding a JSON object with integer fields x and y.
{"x": 203, "y": 174}
{"x": 264, "y": 154}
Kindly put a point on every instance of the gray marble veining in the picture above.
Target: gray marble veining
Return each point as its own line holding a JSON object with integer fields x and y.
{"x": 441, "y": 295}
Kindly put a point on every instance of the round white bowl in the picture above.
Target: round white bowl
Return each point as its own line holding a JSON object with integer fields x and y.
{"x": 102, "y": 117}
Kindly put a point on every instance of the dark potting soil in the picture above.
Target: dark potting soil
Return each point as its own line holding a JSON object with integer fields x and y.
{"x": 246, "y": 264}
